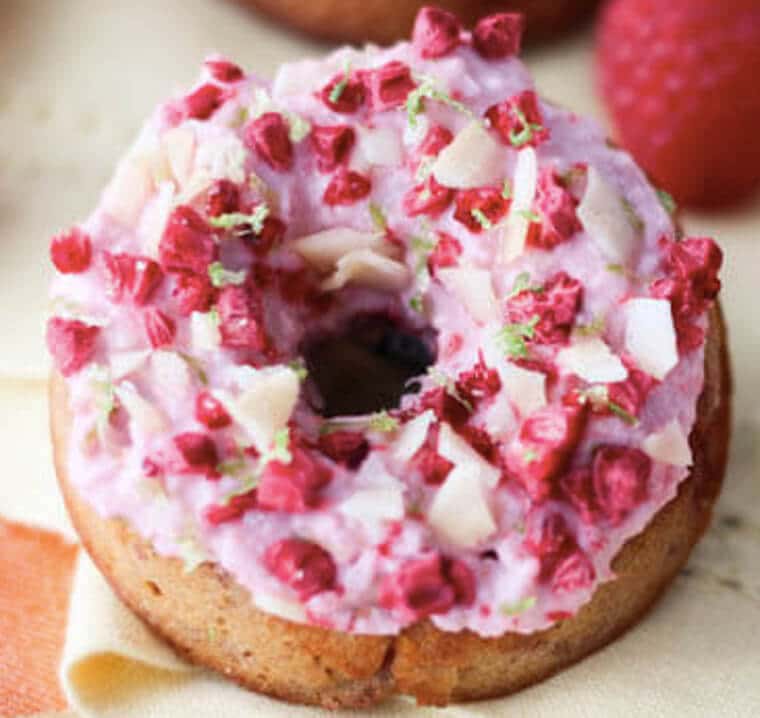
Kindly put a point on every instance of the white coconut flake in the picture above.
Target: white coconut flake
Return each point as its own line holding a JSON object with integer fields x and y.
{"x": 526, "y": 389}
{"x": 367, "y": 268}
{"x": 473, "y": 287}
{"x": 204, "y": 332}
{"x": 670, "y": 445}
{"x": 322, "y": 250}
{"x": 149, "y": 418}
{"x": 524, "y": 184}
{"x": 375, "y": 504}
{"x": 412, "y": 436}
{"x": 650, "y": 337}
{"x": 473, "y": 159}
{"x": 455, "y": 449}
{"x": 591, "y": 359}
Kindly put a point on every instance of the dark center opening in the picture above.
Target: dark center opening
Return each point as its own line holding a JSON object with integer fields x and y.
{"x": 366, "y": 367}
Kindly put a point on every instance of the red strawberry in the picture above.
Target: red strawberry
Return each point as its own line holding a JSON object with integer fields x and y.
{"x": 556, "y": 208}
{"x": 479, "y": 382}
{"x": 680, "y": 80}
{"x": 72, "y": 343}
{"x": 269, "y": 137}
{"x": 71, "y": 251}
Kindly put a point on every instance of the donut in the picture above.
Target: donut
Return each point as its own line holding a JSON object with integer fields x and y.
{"x": 383, "y": 22}
{"x": 386, "y": 377}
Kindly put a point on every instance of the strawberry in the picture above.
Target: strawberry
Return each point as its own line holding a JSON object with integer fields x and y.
{"x": 682, "y": 91}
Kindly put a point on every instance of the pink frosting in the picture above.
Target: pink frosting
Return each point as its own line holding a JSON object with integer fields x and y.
{"x": 573, "y": 483}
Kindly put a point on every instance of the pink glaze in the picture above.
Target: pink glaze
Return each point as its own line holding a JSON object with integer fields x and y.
{"x": 561, "y": 509}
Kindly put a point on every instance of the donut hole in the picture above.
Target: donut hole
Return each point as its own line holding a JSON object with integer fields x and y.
{"x": 367, "y": 366}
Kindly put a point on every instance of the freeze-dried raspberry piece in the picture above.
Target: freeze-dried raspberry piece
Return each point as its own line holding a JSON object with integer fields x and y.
{"x": 71, "y": 252}
{"x": 630, "y": 394}
{"x": 293, "y": 487}
{"x": 345, "y": 447}
{"x": 269, "y": 137}
{"x": 132, "y": 276}
{"x": 344, "y": 94}
{"x": 71, "y": 343}
{"x": 436, "y": 138}
{"x": 224, "y": 71}
{"x": 429, "y": 585}
{"x": 187, "y": 243}
{"x": 347, "y": 187}
{"x": 159, "y": 327}
{"x": 621, "y": 480}
{"x": 573, "y": 573}
{"x": 429, "y": 198}
{"x": 480, "y": 440}
{"x": 545, "y": 445}
{"x": 241, "y": 319}
{"x": 478, "y": 383}
{"x": 234, "y": 509}
{"x": 445, "y": 406}
{"x": 192, "y": 293}
{"x": 197, "y": 453}
{"x": 446, "y": 253}
{"x": 497, "y": 36}
{"x": 555, "y": 207}
{"x": 203, "y": 102}
{"x": 432, "y": 466}
{"x": 389, "y": 85}
{"x": 481, "y": 208}
{"x": 332, "y": 144}
{"x": 222, "y": 197}
{"x": 303, "y": 565}
{"x": 556, "y": 305}
{"x": 518, "y": 120}
{"x": 436, "y": 32}
{"x": 210, "y": 412}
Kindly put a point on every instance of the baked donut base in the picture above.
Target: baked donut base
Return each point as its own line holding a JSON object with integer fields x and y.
{"x": 210, "y": 619}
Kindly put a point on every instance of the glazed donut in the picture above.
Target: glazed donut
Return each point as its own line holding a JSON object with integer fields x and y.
{"x": 396, "y": 376}
{"x": 385, "y": 22}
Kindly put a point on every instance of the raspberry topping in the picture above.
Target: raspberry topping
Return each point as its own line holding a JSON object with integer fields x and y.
{"x": 429, "y": 198}
{"x": 347, "y": 187}
{"x": 446, "y": 252}
{"x": 203, "y": 102}
{"x": 480, "y": 382}
{"x": 224, "y": 71}
{"x": 499, "y": 35}
{"x": 621, "y": 481}
{"x": 233, "y": 510}
{"x": 479, "y": 209}
{"x": 159, "y": 327}
{"x": 556, "y": 208}
{"x": 293, "y": 487}
{"x": 303, "y": 565}
{"x": 197, "y": 454}
{"x": 187, "y": 242}
{"x": 71, "y": 252}
{"x": 436, "y": 138}
{"x": 389, "y": 85}
{"x": 518, "y": 120}
{"x": 436, "y": 32}
{"x": 192, "y": 293}
{"x": 332, "y": 144}
{"x": 72, "y": 344}
{"x": 210, "y": 412}
{"x": 344, "y": 94}
{"x": 240, "y": 319}
{"x": 431, "y": 465}
{"x": 131, "y": 276}
{"x": 222, "y": 198}
{"x": 269, "y": 137}
{"x": 345, "y": 447}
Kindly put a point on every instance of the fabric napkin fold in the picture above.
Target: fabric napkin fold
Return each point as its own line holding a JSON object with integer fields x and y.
{"x": 685, "y": 658}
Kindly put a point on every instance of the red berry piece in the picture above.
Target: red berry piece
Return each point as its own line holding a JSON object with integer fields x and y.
{"x": 499, "y": 35}
{"x": 272, "y": 233}
{"x": 293, "y": 487}
{"x": 432, "y": 466}
{"x": 479, "y": 209}
{"x": 131, "y": 276}
{"x": 233, "y": 510}
{"x": 223, "y": 197}
{"x": 203, "y": 102}
{"x": 71, "y": 343}
{"x": 192, "y": 293}
{"x": 429, "y": 198}
{"x": 436, "y": 32}
{"x": 556, "y": 208}
{"x": 444, "y": 406}
{"x": 345, "y": 447}
{"x": 556, "y": 304}
{"x": 427, "y": 586}
{"x": 343, "y": 94}
{"x": 436, "y": 138}
{"x": 224, "y": 70}
{"x": 210, "y": 412}
{"x": 518, "y": 120}
{"x": 479, "y": 383}
{"x": 187, "y": 243}
{"x": 332, "y": 145}
{"x": 480, "y": 440}
{"x": 303, "y": 565}
{"x": 197, "y": 454}
{"x": 577, "y": 486}
{"x": 347, "y": 187}
{"x": 574, "y": 573}
{"x": 389, "y": 85}
{"x": 631, "y": 394}
{"x": 687, "y": 112}
{"x": 621, "y": 481}
{"x": 241, "y": 319}
{"x": 549, "y": 538}
{"x": 71, "y": 252}
{"x": 446, "y": 253}
{"x": 269, "y": 137}
{"x": 159, "y": 327}
{"x": 546, "y": 443}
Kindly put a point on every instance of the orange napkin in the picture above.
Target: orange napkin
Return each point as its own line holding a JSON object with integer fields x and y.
{"x": 35, "y": 580}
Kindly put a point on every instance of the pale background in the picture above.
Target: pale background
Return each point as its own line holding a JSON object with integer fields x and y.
{"x": 78, "y": 77}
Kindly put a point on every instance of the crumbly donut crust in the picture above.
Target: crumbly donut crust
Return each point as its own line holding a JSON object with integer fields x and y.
{"x": 211, "y": 620}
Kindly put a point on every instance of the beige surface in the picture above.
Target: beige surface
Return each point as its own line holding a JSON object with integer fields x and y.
{"x": 80, "y": 75}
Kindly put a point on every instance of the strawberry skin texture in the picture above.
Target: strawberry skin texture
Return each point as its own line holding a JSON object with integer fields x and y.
{"x": 681, "y": 80}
